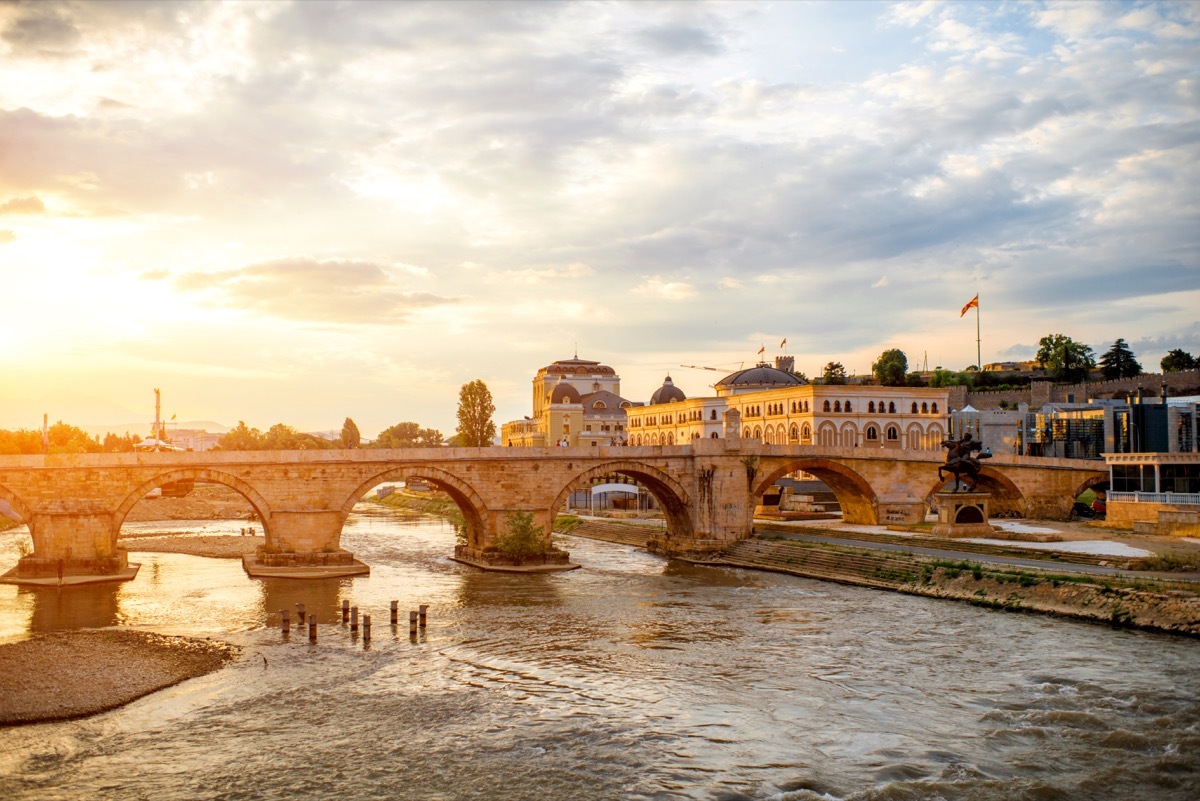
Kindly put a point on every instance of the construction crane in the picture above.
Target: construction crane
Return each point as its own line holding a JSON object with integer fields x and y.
{"x": 714, "y": 369}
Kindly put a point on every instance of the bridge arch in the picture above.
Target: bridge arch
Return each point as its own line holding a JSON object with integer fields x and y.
{"x": 19, "y": 506}
{"x": 207, "y": 475}
{"x": 1091, "y": 482}
{"x": 1007, "y": 498}
{"x": 667, "y": 491}
{"x": 859, "y": 502}
{"x": 463, "y": 494}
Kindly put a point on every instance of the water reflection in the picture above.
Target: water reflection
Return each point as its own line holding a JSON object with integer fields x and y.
{"x": 321, "y": 597}
{"x": 80, "y": 606}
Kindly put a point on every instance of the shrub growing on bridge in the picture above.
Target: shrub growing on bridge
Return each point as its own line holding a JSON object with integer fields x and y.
{"x": 523, "y": 538}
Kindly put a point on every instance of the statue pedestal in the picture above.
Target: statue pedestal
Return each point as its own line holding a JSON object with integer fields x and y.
{"x": 962, "y": 514}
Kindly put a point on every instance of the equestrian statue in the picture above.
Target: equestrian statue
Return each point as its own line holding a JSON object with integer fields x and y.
{"x": 960, "y": 462}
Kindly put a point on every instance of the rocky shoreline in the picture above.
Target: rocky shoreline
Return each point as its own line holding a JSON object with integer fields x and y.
{"x": 72, "y": 674}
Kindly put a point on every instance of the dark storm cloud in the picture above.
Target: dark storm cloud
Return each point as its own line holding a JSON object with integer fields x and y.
{"x": 344, "y": 292}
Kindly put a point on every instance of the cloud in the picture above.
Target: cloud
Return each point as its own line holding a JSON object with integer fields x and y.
{"x": 667, "y": 290}
{"x": 7, "y": 236}
{"x": 345, "y": 292}
{"x": 23, "y": 205}
{"x": 574, "y": 270}
{"x": 882, "y": 282}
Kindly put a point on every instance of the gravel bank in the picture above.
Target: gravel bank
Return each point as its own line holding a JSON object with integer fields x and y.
{"x": 215, "y": 546}
{"x": 72, "y": 674}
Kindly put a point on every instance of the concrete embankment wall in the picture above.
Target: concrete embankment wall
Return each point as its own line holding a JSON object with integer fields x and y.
{"x": 1123, "y": 602}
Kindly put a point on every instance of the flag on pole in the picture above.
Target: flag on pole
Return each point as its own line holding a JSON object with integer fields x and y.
{"x": 784, "y": 342}
{"x": 762, "y": 350}
{"x": 973, "y": 303}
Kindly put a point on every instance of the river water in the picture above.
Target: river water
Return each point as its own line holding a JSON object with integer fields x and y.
{"x": 633, "y": 678}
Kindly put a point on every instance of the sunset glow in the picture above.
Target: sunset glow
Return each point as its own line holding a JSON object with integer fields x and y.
{"x": 302, "y": 211}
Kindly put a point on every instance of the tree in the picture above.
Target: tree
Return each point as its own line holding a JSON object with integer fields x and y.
{"x": 914, "y": 380}
{"x": 889, "y": 371}
{"x": 949, "y": 378}
{"x": 350, "y": 436}
{"x": 523, "y": 538}
{"x": 1178, "y": 360}
{"x": 1118, "y": 362}
{"x": 241, "y": 438}
{"x": 1065, "y": 359}
{"x": 408, "y": 435}
{"x": 475, "y": 410}
{"x": 834, "y": 373}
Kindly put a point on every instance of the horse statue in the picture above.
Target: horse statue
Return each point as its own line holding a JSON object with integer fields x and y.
{"x": 960, "y": 462}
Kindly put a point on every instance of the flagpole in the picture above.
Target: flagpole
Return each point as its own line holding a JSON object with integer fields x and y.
{"x": 978, "y": 340}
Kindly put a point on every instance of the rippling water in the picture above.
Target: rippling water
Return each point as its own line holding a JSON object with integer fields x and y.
{"x": 632, "y": 678}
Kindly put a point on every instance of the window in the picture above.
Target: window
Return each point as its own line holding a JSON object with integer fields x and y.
{"x": 794, "y": 434}
{"x": 871, "y": 407}
{"x": 849, "y": 408}
{"x": 893, "y": 434}
{"x": 713, "y": 417}
{"x": 891, "y": 407}
{"x": 933, "y": 408}
{"x": 806, "y": 432}
{"x": 872, "y": 433}
{"x": 914, "y": 407}
{"x": 713, "y": 435}
{"x": 826, "y": 405}
{"x": 599, "y": 405}
{"x": 837, "y": 406}
{"x": 924, "y": 408}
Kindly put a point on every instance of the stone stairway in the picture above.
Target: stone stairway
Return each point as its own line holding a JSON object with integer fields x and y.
{"x": 624, "y": 533}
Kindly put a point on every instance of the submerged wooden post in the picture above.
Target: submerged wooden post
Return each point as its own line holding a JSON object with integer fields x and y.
{"x": 412, "y": 624}
{"x": 354, "y": 618}
{"x": 345, "y": 610}
{"x": 312, "y": 628}
{"x": 366, "y": 628}
{"x": 395, "y": 612}
{"x": 300, "y": 613}
{"x": 285, "y": 620}
{"x": 421, "y": 614}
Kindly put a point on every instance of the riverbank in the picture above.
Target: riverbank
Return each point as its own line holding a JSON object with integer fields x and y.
{"x": 1154, "y": 603}
{"x": 71, "y": 674}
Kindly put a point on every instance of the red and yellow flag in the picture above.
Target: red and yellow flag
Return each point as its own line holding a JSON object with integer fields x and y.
{"x": 973, "y": 303}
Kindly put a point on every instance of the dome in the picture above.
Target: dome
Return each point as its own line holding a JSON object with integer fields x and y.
{"x": 667, "y": 393}
{"x": 564, "y": 393}
{"x": 761, "y": 376}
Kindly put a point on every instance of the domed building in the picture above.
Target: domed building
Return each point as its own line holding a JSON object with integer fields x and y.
{"x": 575, "y": 402}
{"x": 667, "y": 393}
{"x": 772, "y": 404}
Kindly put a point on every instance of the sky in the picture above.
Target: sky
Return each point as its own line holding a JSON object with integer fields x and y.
{"x": 299, "y": 212}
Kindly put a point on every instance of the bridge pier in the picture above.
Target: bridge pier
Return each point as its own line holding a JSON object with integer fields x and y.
{"x": 77, "y": 543}
{"x": 303, "y": 544}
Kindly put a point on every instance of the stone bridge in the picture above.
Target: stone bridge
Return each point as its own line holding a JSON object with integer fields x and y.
{"x": 75, "y": 504}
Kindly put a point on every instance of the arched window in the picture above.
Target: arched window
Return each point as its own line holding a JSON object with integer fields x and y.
{"x": 806, "y": 433}
{"x": 826, "y": 405}
{"x": 671, "y": 438}
{"x": 595, "y": 386}
{"x": 747, "y": 433}
{"x": 872, "y": 433}
{"x": 871, "y": 407}
{"x": 837, "y": 406}
{"x": 806, "y": 406}
{"x": 933, "y": 408}
{"x": 914, "y": 407}
{"x": 891, "y": 407}
{"x": 849, "y": 408}
{"x": 713, "y": 416}
{"x": 599, "y": 405}
{"x": 713, "y": 435}
{"x": 794, "y": 434}
{"x": 893, "y": 434}
{"x": 924, "y": 408}
{"x": 757, "y": 432}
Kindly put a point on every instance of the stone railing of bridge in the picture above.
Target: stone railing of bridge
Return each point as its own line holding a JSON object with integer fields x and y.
{"x": 75, "y": 503}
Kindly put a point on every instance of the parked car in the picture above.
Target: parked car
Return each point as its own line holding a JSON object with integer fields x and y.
{"x": 1100, "y": 508}
{"x": 1081, "y": 511}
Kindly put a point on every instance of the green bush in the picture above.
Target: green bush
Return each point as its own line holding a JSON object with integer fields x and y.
{"x": 523, "y": 538}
